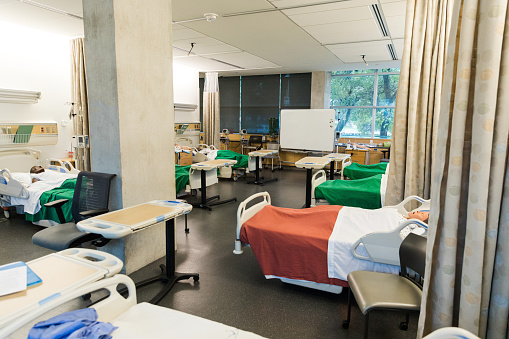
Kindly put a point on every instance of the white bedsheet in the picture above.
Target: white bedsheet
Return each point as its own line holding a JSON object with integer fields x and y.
{"x": 48, "y": 180}
{"x": 351, "y": 224}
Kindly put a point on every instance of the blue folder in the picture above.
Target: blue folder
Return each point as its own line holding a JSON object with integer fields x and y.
{"x": 32, "y": 278}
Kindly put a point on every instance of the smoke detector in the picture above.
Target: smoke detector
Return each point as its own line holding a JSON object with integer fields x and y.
{"x": 210, "y": 17}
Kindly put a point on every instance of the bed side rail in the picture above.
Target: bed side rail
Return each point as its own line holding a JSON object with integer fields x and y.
{"x": 244, "y": 214}
{"x": 10, "y": 186}
{"x": 383, "y": 247}
{"x": 107, "y": 309}
{"x": 60, "y": 166}
{"x": 424, "y": 205}
{"x": 318, "y": 178}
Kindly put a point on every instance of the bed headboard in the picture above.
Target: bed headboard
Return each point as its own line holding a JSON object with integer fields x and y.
{"x": 19, "y": 159}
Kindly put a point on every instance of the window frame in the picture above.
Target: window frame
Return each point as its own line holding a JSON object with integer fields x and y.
{"x": 374, "y": 108}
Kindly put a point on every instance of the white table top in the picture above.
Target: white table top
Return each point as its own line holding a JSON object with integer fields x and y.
{"x": 212, "y": 164}
{"x": 313, "y": 162}
{"x": 337, "y": 156}
{"x": 118, "y": 224}
{"x": 262, "y": 153}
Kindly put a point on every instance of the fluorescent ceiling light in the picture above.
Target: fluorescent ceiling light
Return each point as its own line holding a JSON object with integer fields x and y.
{"x": 15, "y": 96}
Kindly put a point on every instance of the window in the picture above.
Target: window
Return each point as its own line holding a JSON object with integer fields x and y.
{"x": 364, "y": 102}
{"x": 248, "y": 102}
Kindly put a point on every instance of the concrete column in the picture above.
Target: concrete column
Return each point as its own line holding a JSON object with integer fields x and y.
{"x": 130, "y": 92}
{"x": 320, "y": 89}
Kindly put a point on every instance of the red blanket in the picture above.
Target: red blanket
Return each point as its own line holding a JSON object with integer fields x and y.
{"x": 292, "y": 243}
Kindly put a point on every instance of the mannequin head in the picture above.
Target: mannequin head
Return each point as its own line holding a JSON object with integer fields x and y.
{"x": 419, "y": 215}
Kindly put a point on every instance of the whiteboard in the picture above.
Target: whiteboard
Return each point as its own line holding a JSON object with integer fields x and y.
{"x": 307, "y": 129}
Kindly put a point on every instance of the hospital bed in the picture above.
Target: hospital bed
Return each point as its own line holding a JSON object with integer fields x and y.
{"x": 360, "y": 171}
{"x": 60, "y": 273}
{"x": 134, "y": 320}
{"x": 15, "y": 180}
{"x": 245, "y": 164}
{"x": 315, "y": 247}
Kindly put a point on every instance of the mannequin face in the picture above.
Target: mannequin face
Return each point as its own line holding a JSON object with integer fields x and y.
{"x": 422, "y": 216}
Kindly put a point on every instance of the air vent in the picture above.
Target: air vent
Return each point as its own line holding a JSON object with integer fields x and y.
{"x": 378, "y": 15}
{"x": 392, "y": 51}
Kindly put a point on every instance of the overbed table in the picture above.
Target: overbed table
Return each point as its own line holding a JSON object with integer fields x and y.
{"x": 311, "y": 163}
{"x": 59, "y": 272}
{"x": 258, "y": 155}
{"x": 206, "y": 167}
{"x": 118, "y": 224}
{"x": 343, "y": 157}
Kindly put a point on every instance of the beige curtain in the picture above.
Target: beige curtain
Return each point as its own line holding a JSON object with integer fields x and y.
{"x": 211, "y": 114}
{"x": 419, "y": 95}
{"x": 467, "y": 266}
{"x": 79, "y": 111}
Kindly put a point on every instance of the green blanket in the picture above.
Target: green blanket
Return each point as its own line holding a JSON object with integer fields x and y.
{"x": 364, "y": 193}
{"x": 65, "y": 191}
{"x": 357, "y": 171}
{"x": 181, "y": 177}
{"x": 242, "y": 160}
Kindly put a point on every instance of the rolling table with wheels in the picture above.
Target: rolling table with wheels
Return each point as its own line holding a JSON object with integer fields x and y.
{"x": 209, "y": 169}
{"x": 60, "y": 272}
{"x": 311, "y": 163}
{"x": 258, "y": 155}
{"x": 118, "y": 224}
{"x": 343, "y": 157}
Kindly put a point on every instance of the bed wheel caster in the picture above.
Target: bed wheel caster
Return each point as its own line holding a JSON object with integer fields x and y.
{"x": 86, "y": 297}
{"x": 7, "y": 214}
{"x": 196, "y": 278}
{"x": 403, "y": 326}
{"x": 194, "y": 192}
{"x": 346, "y": 324}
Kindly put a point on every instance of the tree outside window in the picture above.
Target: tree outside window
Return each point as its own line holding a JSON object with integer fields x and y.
{"x": 364, "y": 102}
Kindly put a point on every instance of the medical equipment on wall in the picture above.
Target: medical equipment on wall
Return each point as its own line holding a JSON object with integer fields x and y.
{"x": 80, "y": 141}
{"x": 28, "y": 134}
{"x": 189, "y": 130}
{"x": 243, "y": 140}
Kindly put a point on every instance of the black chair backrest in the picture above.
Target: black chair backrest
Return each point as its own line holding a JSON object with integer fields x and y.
{"x": 92, "y": 192}
{"x": 255, "y": 139}
{"x": 412, "y": 254}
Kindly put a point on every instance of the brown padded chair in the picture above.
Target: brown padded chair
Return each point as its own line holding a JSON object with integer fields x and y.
{"x": 383, "y": 291}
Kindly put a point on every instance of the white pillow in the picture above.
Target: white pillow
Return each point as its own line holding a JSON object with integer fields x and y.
{"x": 24, "y": 178}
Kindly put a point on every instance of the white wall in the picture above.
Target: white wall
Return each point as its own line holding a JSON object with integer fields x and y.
{"x": 186, "y": 90}
{"x": 35, "y": 60}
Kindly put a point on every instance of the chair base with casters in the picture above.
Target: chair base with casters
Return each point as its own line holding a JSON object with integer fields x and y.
{"x": 389, "y": 292}
{"x": 90, "y": 199}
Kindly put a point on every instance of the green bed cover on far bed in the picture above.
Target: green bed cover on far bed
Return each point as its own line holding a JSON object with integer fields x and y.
{"x": 65, "y": 191}
{"x": 358, "y": 171}
{"x": 364, "y": 193}
{"x": 242, "y": 160}
{"x": 181, "y": 177}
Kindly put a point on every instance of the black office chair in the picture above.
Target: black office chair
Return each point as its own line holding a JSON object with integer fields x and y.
{"x": 90, "y": 198}
{"x": 254, "y": 144}
{"x": 384, "y": 291}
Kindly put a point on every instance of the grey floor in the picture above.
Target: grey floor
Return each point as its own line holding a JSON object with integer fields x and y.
{"x": 232, "y": 288}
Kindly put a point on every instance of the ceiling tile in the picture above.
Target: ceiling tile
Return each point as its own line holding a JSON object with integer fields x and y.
{"x": 398, "y": 45}
{"x": 180, "y": 33}
{"x": 326, "y": 17}
{"x": 316, "y": 7}
{"x": 361, "y": 30}
{"x": 396, "y": 26}
{"x": 4, "y": 2}
{"x": 373, "y": 51}
{"x": 245, "y": 60}
{"x": 202, "y": 64}
{"x": 70, "y": 6}
{"x": 396, "y": 8}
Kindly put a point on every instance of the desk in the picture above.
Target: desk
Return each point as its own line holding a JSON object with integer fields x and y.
{"x": 310, "y": 163}
{"x": 118, "y": 224}
{"x": 258, "y": 155}
{"x": 210, "y": 167}
{"x": 60, "y": 272}
{"x": 344, "y": 158}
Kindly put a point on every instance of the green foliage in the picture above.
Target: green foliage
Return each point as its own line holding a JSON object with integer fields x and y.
{"x": 354, "y": 91}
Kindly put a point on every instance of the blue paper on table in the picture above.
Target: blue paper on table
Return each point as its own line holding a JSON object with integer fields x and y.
{"x": 32, "y": 278}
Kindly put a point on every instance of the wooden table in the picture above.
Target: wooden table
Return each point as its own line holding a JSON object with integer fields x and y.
{"x": 311, "y": 163}
{"x": 262, "y": 153}
{"x": 117, "y": 224}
